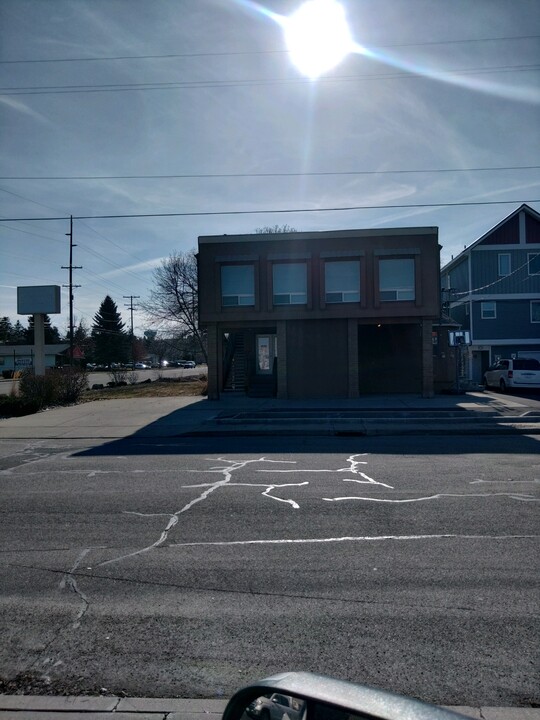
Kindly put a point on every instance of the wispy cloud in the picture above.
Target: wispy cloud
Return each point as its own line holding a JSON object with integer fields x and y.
{"x": 146, "y": 265}
{"x": 21, "y": 107}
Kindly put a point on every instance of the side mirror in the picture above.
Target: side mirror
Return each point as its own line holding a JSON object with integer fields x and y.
{"x": 318, "y": 697}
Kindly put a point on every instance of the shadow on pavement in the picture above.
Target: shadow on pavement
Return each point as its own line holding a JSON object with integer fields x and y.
{"x": 211, "y": 427}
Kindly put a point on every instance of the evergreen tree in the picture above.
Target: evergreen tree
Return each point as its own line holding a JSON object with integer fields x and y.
{"x": 111, "y": 343}
{"x": 18, "y": 336}
{"x": 52, "y": 335}
{"x": 6, "y": 330}
{"x": 83, "y": 340}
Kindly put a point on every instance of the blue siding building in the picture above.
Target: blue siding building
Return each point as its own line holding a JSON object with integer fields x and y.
{"x": 492, "y": 289}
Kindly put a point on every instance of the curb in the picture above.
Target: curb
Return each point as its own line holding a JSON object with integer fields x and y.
{"x": 47, "y": 707}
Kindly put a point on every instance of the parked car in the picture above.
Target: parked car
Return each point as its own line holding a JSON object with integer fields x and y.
{"x": 513, "y": 373}
{"x": 141, "y": 366}
{"x": 189, "y": 364}
{"x": 275, "y": 707}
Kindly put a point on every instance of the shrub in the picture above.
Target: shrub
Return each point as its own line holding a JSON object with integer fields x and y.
{"x": 118, "y": 376}
{"x": 56, "y": 387}
{"x": 11, "y": 406}
{"x": 42, "y": 390}
{"x": 73, "y": 383}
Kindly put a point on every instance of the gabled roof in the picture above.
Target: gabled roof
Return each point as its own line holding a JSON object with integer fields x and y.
{"x": 527, "y": 208}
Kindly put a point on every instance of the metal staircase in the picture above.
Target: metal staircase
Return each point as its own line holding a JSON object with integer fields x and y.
{"x": 235, "y": 365}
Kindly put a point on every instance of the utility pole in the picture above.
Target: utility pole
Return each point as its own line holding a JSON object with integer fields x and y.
{"x": 131, "y": 298}
{"x": 71, "y": 267}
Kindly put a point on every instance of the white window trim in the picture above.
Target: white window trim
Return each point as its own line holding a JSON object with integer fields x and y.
{"x": 301, "y": 298}
{"x": 488, "y": 317}
{"x": 238, "y": 303}
{"x": 531, "y": 308}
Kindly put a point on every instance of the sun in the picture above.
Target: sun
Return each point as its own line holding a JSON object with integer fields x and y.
{"x": 317, "y": 36}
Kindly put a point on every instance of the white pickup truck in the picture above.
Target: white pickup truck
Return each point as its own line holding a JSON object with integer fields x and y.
{"x": 513, "y": 373}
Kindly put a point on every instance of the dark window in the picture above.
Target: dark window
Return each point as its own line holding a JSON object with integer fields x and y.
{"x": 534, "y": 263}
{"x": 342, "y": 281}
{"x": 289, "y": 283}
{"x": 488, "y": 310}
{"x": 505, "y": 264}
{"x": 396, "y": 279}
{"x": 237, "y": 285}
{"x": 526, "y": 364}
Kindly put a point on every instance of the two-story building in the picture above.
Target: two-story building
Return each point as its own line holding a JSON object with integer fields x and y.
{"x": 320, "y": 314}
{"x": 492, "y": 289}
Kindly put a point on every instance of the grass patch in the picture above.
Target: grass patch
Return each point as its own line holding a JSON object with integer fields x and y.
{"x": 171, "y": 387}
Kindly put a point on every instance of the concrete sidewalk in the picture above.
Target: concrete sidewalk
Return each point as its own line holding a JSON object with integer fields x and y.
{"x": 46, "y": 707}
{"x": 472, "y": 412}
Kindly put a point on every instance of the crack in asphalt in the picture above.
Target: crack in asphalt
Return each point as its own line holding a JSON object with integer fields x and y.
{"x": 261, "y": 593}
{"x": 70, "y": 582}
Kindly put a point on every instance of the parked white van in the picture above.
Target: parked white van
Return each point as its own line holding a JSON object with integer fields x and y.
{"x": 517, "y": 373}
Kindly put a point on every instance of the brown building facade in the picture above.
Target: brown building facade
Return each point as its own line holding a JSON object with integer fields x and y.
{"x": 320, "y": 314}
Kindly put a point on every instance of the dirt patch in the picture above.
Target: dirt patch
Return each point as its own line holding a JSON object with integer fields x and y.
{"x": 27, "y": 683}
{"x": 173, "y": 387}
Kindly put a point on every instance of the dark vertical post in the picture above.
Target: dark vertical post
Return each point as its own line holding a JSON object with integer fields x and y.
{"x": 71, "y": 267}
{"x": 131, "y": 308}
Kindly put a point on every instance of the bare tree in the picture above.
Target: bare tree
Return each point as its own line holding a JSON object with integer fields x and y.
{"x": 275, "y": 229}
{"x": 175, "y": 298}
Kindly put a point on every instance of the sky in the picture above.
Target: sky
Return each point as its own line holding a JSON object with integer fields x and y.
{"x": 192, "y": 111}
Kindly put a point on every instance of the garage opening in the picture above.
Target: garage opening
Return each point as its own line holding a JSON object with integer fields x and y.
{"x": 390, "y": 358}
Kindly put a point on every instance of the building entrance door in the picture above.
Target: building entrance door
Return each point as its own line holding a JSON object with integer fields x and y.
{"x": 266, "y": 351}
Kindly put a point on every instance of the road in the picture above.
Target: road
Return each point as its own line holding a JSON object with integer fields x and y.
{"x": 191, "y": 566}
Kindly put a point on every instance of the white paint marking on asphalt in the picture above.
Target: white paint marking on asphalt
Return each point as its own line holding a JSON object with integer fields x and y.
{"x": 478, "y": 481}
{"x": 267, "y": 487}
{"x": 70, "y": 582}
{"x": 226, "y": 471}
{"x": 514, "y": 496}
{"x": 141, "y": 514}
{"x": 291, "y": 502}
{"x": 360, "y": 538}
{"x": 367, "y": 480}
{"x": 352, "y": 468}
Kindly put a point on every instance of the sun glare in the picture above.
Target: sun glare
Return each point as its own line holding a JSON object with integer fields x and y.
{"x": 317, "y": 36}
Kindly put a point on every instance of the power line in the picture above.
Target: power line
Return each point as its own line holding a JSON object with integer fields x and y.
{"x": 275, "y": 212}
{"x": 205, "y": 84}
{"x": 195, "y": 176}
{"x": 256, "y": 52}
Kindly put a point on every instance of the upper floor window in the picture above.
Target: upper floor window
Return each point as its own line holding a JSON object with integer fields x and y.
{"x": 488, "y": 310}
{"x": 505, "y": 264}
{"x": 289, "y": 283}
{"x": 535, "y": 311}
{"x": 396, "y": 279}
{"x": 342, "y": 281}
{"x": 534, "y": 263}
{"x": 237, "y": 285}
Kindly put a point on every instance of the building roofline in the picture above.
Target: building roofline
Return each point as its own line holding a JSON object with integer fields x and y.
{"x": 464, "y": 253}
{"x": 330, "y": 234}
{"x": 50, "y": 349}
